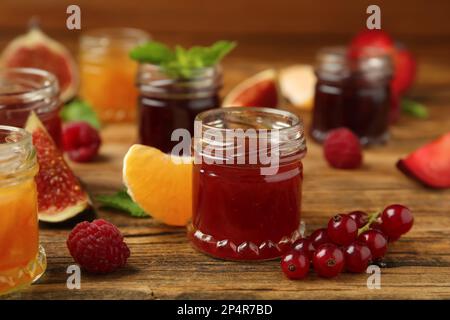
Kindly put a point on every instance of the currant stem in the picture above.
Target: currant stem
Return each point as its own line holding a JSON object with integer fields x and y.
{"x": 372, "y": 217}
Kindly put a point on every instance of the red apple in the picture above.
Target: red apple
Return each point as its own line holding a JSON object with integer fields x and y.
{"x": 371, "y": 38}
{"x": 404, "y": 70}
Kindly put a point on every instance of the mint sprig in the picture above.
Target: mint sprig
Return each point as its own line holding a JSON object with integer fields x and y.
{"x": 121, "y": 201}
{"x": 181, "y": 62}
{"x": 78, "y": 110}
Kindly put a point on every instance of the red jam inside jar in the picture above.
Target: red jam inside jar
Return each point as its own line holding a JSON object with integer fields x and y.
{"x": 352, "y": 93}
{"x": 167, "y": 103}
{"x": 23, "y": 90}
{"x": 239, "y": 211}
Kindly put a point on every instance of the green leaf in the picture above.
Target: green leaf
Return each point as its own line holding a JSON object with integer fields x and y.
{"x": 414, "y": 108}
{"x": 182, "y": 62}
{"x": 123, "y": 202}
{"x": 152, "y": 52}
{"x": 79, "y": 110}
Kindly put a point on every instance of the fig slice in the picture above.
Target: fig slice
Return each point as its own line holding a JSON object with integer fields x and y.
{"x": 429, "y": 164}
{"x": 260, "y": 90}
{"x": 60, "y": 195}
{"x": 37, "y": 50}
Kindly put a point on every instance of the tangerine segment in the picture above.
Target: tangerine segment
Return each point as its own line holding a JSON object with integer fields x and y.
{"x": 160, "y": 183}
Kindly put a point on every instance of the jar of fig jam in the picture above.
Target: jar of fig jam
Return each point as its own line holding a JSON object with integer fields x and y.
{"x": 246, "y": 207}
{"x": 23, "y": 90}
{"x": 352, "y": 93}
{"x": 168, "y": 102}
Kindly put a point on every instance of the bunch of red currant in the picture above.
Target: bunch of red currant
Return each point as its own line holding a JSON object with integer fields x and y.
{"x": 351, "y": 241}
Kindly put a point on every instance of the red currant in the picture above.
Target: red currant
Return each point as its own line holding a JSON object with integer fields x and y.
{"x": 328, "y": 260}
{"x": 376, "y": 241}
{"x": 342, "y": 229}
{"x": 304, "y": 245}
{"x": 393, "y": 239}
{"x": 360, "y": 217}
{"x": 319, "y": 237}
{"x": 357, "y": 257}
{"x": 396, "y": 220}
{"x": 295, "y": 265}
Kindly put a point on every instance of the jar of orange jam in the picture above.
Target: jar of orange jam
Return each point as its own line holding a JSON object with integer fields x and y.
{"x": 108, "y": 73}
{"x": 244, "y": 208}
{"x": 22, "y": 260}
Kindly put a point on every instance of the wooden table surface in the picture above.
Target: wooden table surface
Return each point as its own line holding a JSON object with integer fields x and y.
{"x": 163, "y": 264}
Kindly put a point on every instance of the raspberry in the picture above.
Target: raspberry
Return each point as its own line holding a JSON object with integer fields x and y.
{"x": 98, "y": 246}
{"x": 342, "y": 149}
{"x": 80, "y": 141}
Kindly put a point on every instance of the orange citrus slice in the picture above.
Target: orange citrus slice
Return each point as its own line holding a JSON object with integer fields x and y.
{"x": 159, "y": 183}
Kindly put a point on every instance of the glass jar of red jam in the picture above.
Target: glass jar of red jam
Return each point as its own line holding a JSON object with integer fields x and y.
{"x": 352, "y": 93}
{"x": 23, "y": 90}
{"x": 169, "y": 102}
{"x": 241, "y": 212}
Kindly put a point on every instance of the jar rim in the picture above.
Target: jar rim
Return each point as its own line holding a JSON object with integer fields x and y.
{"x": 25, "y": 136}
{"x": 154, "y": 81}
{"x": 337, "y": 60}
{"x": 17, "y": 155}
{"x": 44, "y": 85}
{"x": 198, "y": 71}
{"x": 214, "y": 112}
{"x": 283, "y": 130}
{"x": 103, "y": 37}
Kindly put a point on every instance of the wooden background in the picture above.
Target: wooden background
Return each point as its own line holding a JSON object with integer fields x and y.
{"x": 270, "y": 34}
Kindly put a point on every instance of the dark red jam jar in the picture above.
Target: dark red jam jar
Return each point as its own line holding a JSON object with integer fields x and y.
{"x": 352, "y": 93}
{"x": 240, "y": 211}
{"x": 23, "y": 90}
{"x": 170, "y": 102}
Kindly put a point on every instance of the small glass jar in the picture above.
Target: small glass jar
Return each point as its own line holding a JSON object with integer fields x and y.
{"x": 22, "y": 260}
{"x": 107, "y": 72}
{"x": 23, "y": 90}
{"x": 352, "y": 93}
{"x": 241, "y": 212}
{"x": 167, "y": 103}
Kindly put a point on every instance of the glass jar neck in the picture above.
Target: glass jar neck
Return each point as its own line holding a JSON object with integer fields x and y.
{"x": 240, "y": 133}
{"x": 154, "y": 81}
{"x": 17, "y": 156}
{"x": 335, "y": 64}
{"x": 22, "y": 88}
{"x": 101, "y": 41}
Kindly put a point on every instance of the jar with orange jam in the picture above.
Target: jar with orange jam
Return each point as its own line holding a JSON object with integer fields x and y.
{"x": 108, "y": 74}
{"x": 22, "y": 260}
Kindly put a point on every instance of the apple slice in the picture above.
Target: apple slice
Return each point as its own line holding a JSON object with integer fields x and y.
{"x": 430, "y": 164}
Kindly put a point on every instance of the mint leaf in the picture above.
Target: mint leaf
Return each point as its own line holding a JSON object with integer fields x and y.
{"x": 414, "y": 108}
{"x": 123, "y": 202}
{"x": 152, "y": 52}
{"x": 182, "y": 62}
{"x": 217, "y": 51}
{"x": 79, "y": 110}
